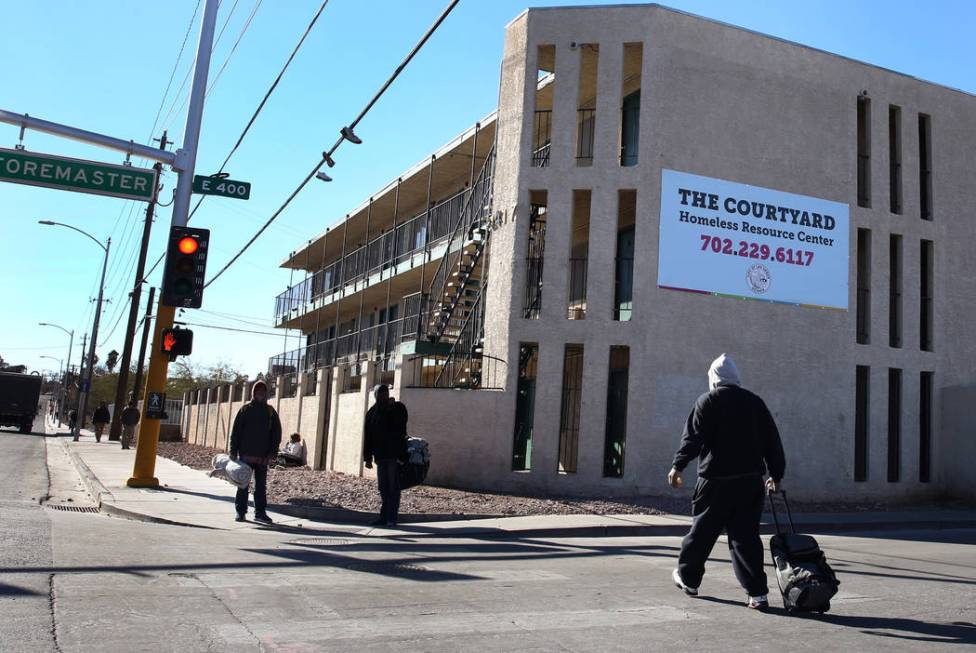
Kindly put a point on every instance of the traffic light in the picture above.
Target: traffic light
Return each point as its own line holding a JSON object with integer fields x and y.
{"x": 177, "y": 342}
{"x": 186, "y": 266}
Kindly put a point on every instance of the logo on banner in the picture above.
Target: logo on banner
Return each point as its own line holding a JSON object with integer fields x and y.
{"x": 758, "y": 277}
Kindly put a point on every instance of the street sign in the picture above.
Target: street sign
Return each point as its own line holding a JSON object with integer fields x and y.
{"x": 80, "y": 176}
{"x": 156, "y": 405}
{"x": 205, "y": 185}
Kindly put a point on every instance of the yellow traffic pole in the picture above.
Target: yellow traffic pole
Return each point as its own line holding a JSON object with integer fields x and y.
{"x": 144, "y": 467}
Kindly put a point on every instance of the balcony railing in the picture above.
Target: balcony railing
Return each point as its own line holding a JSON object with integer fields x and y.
{"x": 378, "y": 342}
{"x": 541, "y": 138}
{"x": 577, "y": 289}
{"x": 380, "y": 254}
{"x": 586, "y": 128}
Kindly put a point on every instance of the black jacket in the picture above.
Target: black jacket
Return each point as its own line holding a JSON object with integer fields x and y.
{"x": 256, "y": 431}
{"x": 101, "y": 415}
{"x": 732, "y": 433}
{"x": 385, "y": 432}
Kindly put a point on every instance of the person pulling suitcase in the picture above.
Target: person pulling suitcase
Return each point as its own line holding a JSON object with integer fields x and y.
{"x": 732, "y": 434}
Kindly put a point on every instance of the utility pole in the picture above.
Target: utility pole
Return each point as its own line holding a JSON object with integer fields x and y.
{"x": 76, "y": 431}
{"x": 144, "y": 467}
{"x": 94, "y": 339}
{"x": 146, "y": 321}
{"x": 115, "y": 430}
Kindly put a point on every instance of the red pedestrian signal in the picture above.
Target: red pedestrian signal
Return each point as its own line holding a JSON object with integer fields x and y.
{"x": 186, "y": 265}
{"x": 176, "y": 342}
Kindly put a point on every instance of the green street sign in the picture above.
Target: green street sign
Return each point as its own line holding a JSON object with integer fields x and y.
{"x": 204, "y": 185}
{"x": 62, "y": 173}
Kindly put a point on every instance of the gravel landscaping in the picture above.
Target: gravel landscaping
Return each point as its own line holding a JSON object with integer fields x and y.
{"x": 305, "y": 487}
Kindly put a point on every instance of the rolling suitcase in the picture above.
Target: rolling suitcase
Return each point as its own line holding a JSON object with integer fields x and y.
{"x": 805, "y": 580}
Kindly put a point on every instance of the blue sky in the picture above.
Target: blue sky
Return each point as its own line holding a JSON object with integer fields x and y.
{"x": 103, "y": 65}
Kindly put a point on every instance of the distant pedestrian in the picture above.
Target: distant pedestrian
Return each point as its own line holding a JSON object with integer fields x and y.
{"x": 100, "y": 418}
{"x": 254, "y": 439}
{"x": 72, "y": 418}
{"x": 130, "y": 419}
{"x": 385, "y": 441}
{"x": 736, "y": 442}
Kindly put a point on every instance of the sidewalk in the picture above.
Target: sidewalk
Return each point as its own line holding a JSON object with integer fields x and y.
{"x": 189, "y": 497}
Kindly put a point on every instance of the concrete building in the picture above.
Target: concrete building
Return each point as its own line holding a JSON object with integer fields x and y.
{"x": 524, "y": 288}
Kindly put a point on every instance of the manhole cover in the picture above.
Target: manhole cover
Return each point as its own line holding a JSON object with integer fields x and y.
{"x": 61, "y": 506}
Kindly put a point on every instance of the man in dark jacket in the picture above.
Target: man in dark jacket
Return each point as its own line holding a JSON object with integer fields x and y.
{"x": 254, "y": 439}
{"x": 385, "y": 440}
{"x": 736, "y": 442}
{"x": 130, "y": 419}
{"x": 100, "y": 419}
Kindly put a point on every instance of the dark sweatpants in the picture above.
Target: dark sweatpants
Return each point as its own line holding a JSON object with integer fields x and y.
{"x": 260, "y": 492}
{"x": 388, "y": 479}
{"x": 734, "y": 505}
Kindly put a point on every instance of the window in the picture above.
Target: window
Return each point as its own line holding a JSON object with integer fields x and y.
{"x": 525, "y": 406}
{"x": 535, "y": 254}
{"x": 927, "y": 266}
{"x": 542, "y": 120}
{"x": 861, "y": 409}
{"x": 894, "y": 424}
{"x": 586, "y": 103}
{"x": 623, "y": 286}
{"x": 925, "y": 426}
{"x": 579, "y": 254}
{"x": 894, "y": 291}
{"x": 630, "y": 104}
{"x": 863, "y": 152}
{"x": 863, "y": 286}
{"x": 925, "y": 165}
{"x": 894, "y": 158}
{"x": 569, "y": 412}
{"x": 615, "y": 435}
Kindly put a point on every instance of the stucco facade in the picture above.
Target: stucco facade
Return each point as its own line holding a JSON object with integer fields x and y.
{"x": 726, "y": 103}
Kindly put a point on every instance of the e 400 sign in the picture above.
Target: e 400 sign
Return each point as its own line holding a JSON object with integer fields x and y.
{"x": 240, "y": 190}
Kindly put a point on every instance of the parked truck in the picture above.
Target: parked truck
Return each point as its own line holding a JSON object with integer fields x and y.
{"x": 19, "y": 396}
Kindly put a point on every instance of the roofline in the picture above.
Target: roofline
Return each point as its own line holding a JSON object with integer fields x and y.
{"x": 409, "y": 172}
{"x": 750, "y": 31}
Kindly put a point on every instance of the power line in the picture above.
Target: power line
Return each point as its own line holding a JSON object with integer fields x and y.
{"x": 222, "y": 328}
{"x": 348, "y": 130}
{"x": 254, "y": 116}
{"x": 176, "y": 64}
{"x": 233, "y": 48}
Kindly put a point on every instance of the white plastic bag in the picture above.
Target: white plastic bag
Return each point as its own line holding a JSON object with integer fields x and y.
{"x": 235, "y": 472}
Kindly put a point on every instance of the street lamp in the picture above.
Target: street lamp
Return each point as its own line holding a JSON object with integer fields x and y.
{"x": 64, "y": 385}
{"x": 61, "y": 388}
{"x": 86, "y": 384}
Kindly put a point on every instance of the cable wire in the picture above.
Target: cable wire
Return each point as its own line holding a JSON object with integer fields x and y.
{"x": 254, "y": 116}
{"x": 328, "y": 155}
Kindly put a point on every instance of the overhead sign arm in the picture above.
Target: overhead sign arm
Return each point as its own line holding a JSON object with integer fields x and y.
{"x": 131, "y": 147}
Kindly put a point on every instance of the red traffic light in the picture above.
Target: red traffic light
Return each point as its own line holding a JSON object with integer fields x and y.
{"x": 177, "y": 342}
{"x": 169, "y": 342}
{"x": 188, "y": 245}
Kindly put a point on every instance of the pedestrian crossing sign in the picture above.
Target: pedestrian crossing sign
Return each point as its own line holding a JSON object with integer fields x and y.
{"x": 156, "y": 405}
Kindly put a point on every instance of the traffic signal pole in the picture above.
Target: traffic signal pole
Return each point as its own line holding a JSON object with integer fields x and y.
{"x": 144, "y": 467}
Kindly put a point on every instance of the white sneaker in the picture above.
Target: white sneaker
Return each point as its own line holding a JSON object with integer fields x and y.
{"x": 680, "y": 584}
{"x": 758, "y": 602}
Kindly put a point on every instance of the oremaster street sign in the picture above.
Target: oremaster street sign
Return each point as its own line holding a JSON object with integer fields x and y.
{"x": 62, "y": 173}
{"x": 204, "y": 185}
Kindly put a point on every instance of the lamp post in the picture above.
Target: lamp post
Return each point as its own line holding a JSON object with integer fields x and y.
{"x": 61, "y": 384}
{"x": 86, "y": 384}
{"x": 64, "y": 385}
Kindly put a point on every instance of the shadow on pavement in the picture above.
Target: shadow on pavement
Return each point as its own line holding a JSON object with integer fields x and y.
{"x": 13, "y": 590}
{"x": 956, "y": 632}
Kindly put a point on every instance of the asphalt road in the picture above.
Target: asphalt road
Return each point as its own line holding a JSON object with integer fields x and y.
{"x": 88, "y": 582}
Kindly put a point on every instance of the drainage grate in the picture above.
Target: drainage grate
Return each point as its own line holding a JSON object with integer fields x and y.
{"x": 61, "y": 506}
{"x": 320, "y": 541}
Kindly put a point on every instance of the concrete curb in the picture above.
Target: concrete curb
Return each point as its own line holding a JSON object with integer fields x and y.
{"x": 98, "y": 493}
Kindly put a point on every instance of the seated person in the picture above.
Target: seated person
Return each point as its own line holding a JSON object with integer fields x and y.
{"x": 294, "y": 454}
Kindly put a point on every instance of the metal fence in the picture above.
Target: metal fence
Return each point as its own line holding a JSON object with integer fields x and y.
{"x": 174, "y": 411}
{"x": 541, "y": 138}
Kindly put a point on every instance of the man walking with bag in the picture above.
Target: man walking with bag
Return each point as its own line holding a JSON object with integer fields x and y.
{"x": 130, "y": 419}
{"x": 385, "y": 440}
{"x": 735, "y": 439}
{"x": 254, "y": 439}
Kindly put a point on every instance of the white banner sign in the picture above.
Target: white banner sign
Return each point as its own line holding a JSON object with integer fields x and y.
{"x": 723, "y": 238}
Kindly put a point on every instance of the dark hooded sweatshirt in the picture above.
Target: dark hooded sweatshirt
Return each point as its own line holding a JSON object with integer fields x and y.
{"x": 256, "y": 433}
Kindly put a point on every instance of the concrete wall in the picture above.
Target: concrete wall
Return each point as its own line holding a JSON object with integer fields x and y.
{"x": 955, "y": 452}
